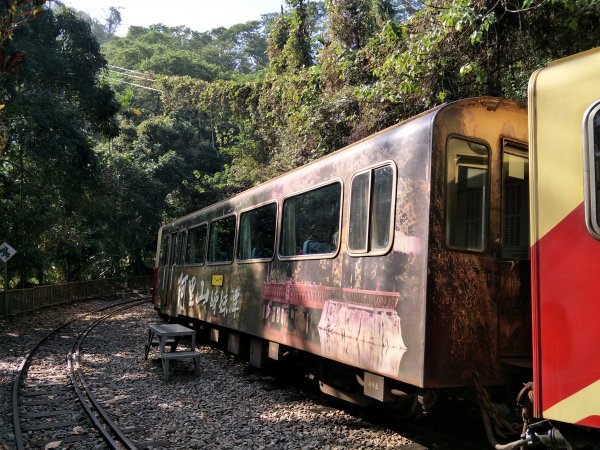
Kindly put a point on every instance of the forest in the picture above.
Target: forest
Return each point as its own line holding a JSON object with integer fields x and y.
{"x": 103, "y": 137}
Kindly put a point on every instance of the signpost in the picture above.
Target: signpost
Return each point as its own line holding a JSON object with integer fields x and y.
{"x": 6, "y": 252}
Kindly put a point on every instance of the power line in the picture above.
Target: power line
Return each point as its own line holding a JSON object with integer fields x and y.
{"x": 135, "y": 84}
{"x": 118, "y": 70}
{"x": 130, "y": 75}
{"x": 126, "y": 69}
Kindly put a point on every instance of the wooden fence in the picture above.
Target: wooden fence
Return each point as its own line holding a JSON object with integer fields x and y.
{"x": 18, "y": 301}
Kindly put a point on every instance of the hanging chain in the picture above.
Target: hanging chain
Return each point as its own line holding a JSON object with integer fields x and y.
{"x": 502, "y": 426}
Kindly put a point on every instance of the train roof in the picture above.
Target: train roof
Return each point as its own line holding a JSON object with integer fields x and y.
{"x": 488, "y": 102}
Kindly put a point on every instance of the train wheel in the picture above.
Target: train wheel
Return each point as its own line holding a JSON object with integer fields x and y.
{"x": 405, "y": 408}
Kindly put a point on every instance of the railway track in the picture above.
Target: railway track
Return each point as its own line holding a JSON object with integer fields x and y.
{"x": 231, "y": 406}
{"x": 53, "y": 404}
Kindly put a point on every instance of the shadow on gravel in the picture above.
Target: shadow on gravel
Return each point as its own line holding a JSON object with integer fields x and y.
{"x": 230, "y": 405}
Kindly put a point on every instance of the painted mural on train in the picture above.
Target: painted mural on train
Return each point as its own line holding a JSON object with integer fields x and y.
{"x": 352, "y": 325}
{"x": 341, "y": 303}
{"x": 216, "y": 300}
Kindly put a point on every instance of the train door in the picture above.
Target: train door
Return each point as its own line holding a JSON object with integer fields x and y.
{"x": 514, "y": 272}
{"x": 168, "y": 271}
{"x": 163, "y": 268}
{"x": 176, "y": 268}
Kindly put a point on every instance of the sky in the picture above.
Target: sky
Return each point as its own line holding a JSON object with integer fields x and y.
{"x": 199, "y": 15}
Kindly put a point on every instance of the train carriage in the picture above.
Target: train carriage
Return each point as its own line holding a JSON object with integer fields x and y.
{"x": 564, "y": 113}
{"x": 387, "y": 256}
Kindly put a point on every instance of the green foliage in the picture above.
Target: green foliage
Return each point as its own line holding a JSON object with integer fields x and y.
{"x": 48, "y": 173}
{"x": 289, "y": 43}
{"x": 219, "y": 53}
{"x": 103, "y": 31}
{"x": 353, "y": 22}
{"x": 178, "y": 62}
{"x": 16, "y": 13}
{"x": 464, "y": 48}
{"x": 297, "y": 46}
{"x": 235, "y": 108}
{"x": 280, "y": 33}
{"x": 381, "y": 62}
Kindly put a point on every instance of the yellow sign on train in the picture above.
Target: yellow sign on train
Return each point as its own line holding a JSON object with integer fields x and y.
{"x": 217, "y": 280}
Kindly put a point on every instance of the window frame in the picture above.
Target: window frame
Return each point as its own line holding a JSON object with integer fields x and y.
{"x": 592, "y": 220}
{"x": 165, "y": 246}
{"x": 275, "y": 237}
{"x": 182, "y": 247}
{"x": 487, "y": 203}
{"x": 370, "y": 169}
{"x": 186, "y": 264}
{"x": 210, "y": 223}
{"x": 339, "y": 229}
{"x": 521, "y": 150}
{"x": 172, "y": 261}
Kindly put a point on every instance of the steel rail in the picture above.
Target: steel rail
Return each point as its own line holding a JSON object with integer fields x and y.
{"x": 25, "y": 365}
{"x": 76, "y": 375}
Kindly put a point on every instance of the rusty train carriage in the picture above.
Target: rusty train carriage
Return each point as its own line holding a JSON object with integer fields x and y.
{"x": 399, "y": 256}
{"x": 406, "y": 258}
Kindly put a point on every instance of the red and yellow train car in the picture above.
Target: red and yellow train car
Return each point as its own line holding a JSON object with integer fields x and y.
{"x": 564, "y": 115}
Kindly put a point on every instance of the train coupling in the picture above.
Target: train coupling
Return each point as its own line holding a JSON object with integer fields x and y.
{"x": 546, "y": 434}
{"x": 568, "y": 437}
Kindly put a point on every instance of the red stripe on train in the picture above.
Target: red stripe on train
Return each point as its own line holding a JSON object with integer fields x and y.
{"x": 569, "y": 305}
{"x": 592, "y": 421}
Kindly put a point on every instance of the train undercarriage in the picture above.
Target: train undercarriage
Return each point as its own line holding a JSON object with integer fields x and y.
{"x": 506, "y": 416}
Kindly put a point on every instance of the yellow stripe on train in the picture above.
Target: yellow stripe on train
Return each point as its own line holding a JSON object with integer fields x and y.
{"x": 557, "y": 151}
{"x": 578, "y": 406}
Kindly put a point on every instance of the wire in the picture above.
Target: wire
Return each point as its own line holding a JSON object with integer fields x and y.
{"x": 125, "y": 69}
{"x": 118, "y": 70}
{"x": 130, "y": 76}
{"x": 136, "y": 85}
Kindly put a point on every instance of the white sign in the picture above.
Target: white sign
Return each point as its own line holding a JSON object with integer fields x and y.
{"x": 6, "y": 252}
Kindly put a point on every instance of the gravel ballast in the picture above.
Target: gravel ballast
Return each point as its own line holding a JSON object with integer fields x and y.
{"x": 229, "y": 406}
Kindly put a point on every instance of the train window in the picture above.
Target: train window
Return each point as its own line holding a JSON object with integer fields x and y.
{"x": 467, "y": 194}
{"x": 221, "y": 240}
{"x": 181, "y": 247}
{"x": 196, "y": 245}
{"x": 359, "y": 212}
{"x": 311, "y": 222}
{"x": 173, "y": 252}
{"x": 592, "y": 178}
{"x": 515, "y": 202}
{"x": 371, "y": 210}
{"x": 257, "y": 233}
{"x": 177, "y": 250}
{"x": 164, "y": 250}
